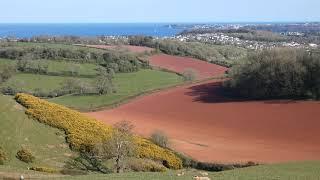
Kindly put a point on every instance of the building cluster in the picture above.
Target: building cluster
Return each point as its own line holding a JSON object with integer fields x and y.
{"x": 224, "y": 39}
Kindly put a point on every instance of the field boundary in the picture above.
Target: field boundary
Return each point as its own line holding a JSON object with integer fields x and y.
{"x": 134, "y": 97}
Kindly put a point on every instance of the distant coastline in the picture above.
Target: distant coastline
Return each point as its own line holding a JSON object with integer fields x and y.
{"x": 27, "y": 30}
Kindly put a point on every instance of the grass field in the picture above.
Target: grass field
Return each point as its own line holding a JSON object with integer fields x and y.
{"x": 85, "y": 69}
{"x": 7, "y": 61}
{"x": 31, "y": 82}
{"x": 51, "y": 45}
{"x": 62, "y": 67}
{"x": 127, "y": 85}
{"x": 17, "y": 130}
{"x": 287, "y": 171}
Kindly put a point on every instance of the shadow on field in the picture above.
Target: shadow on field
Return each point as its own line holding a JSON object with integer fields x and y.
{"x": 210, "y": 93}
{"x": 215, "y": 93}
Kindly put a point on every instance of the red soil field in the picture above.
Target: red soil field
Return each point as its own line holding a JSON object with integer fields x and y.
{"x": 179, "y": 64}
{"x": 136, "y": 49}
{"x": 209, "y": 127}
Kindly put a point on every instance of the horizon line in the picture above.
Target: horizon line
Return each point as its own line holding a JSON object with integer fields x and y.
{"x": 162, "y": 22}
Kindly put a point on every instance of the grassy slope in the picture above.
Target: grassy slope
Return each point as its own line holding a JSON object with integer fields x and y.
{"x": 47, "y": 144}
{"x": 288, "y": 171}
{"x": 128, "y": 85}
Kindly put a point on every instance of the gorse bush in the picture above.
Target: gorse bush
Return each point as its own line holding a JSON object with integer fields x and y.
{"x": 147, "y": 149}
{"x": 25, "y": 155}
{"x": 277, "y": 73}
{"x": 84, "y": 133}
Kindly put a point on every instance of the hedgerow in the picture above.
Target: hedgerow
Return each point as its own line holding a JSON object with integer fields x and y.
{"x": 84, "y": 133}
{"x": 44, "y": 169}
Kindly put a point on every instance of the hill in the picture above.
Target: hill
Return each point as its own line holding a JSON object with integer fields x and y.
{"x": 17, "y": 130}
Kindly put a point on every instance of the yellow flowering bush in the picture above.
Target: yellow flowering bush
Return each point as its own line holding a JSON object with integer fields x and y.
{"x": 84, "y": 132}
{"x": 81, "y": 131}
{"x": 149, "y": 150}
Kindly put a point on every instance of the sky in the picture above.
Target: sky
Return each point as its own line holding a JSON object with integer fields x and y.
{"x": 132, "y": 11}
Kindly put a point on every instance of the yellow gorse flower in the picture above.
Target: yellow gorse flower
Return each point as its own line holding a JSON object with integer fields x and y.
{"x": 84, "y": 132}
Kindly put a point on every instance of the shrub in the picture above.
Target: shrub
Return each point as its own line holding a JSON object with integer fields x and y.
{"x": 25, "y": 155}
{"x": 188, "y": 162}
{"x": 160, "y": 139}
{"x": 147, "y": 149}
{"x": 189, "y": 75}
{"x": 277, "y": 73}
{"x": 44, "y": 169}
{"x": 84, "y": 133}
{"x": 145, "y": 165}
{"x": 73, "y": 172}
{"x": 3, "y": 156}
{"x": 6, "y": 71}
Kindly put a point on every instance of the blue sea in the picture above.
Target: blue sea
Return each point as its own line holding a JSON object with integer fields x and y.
{"x": 110, "y": 29}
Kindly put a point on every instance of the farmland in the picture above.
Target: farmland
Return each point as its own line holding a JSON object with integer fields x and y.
{"x": 196, "y": 115}
{"x": 127, "y": 84}
{"x": 235, "y": 130}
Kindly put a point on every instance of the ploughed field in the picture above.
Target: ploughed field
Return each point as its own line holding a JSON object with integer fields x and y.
{"x": 210, "y": 127}
{"x": 180, "y": 64}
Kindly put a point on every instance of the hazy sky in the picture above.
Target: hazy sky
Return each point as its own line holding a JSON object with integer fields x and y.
{"x": 158, "y": 10}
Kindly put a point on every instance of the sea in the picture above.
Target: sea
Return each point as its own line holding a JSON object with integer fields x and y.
{"x": 28, "y": 30}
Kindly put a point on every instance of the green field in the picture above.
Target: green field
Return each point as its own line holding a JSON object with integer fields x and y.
{"x": 31, "y": 82}
{"x": 85, "y": 69}
{"x": 62, "y": 67}
{"x": 7, "y": 61}
{"x": 17, "y": 130}
{"x": 127, "y": 85}
{"x": 287, "y": 171}
{"x": 51, "y": 45}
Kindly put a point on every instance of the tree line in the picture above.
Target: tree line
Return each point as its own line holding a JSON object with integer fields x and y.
{"x": 277, "y": 73}
{"x": 118, "y": 61}
{"x": 221, "y": 55}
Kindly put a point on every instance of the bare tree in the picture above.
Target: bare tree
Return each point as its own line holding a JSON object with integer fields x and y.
{"x": 160, "y": 138}
{"x": 189, "y": 75}
{"x": 120, "y": 146}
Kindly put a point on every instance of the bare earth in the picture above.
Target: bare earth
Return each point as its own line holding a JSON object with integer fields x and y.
{"x": 137, "y": 49}
{"x": 209, "y": 127}
{"x": 179, "y": 64}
